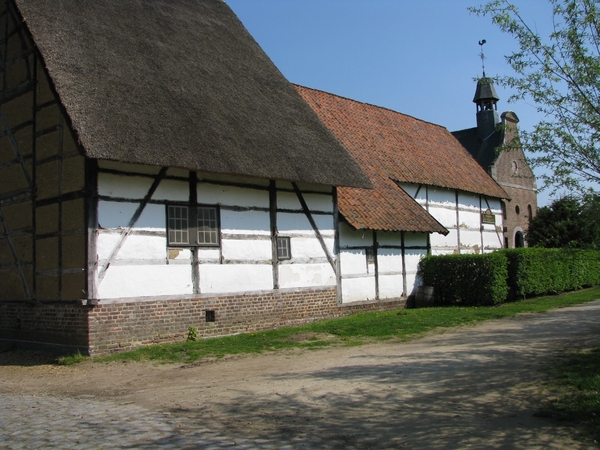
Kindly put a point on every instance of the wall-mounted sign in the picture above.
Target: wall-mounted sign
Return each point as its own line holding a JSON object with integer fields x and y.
{"x": 488, "y": 217}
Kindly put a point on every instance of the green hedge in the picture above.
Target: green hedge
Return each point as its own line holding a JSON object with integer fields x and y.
{"x": 541, "y": 271}
{"x": 466, "y": 279}
{"x": 508, "y": 275}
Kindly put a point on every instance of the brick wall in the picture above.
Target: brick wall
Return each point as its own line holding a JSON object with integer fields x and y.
{"x": 64, "y": 326}
{"x": 513, "y": 173}
{"x": 121, "y": 326}
{"x": 107, "y": 328}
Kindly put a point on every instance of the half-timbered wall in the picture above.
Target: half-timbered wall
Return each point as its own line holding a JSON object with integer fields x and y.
{"x": 135, "y": 260}
{"x": 462, "y": 214}
{"x": 42, "y": 232}
{"x": 378, "y": 265}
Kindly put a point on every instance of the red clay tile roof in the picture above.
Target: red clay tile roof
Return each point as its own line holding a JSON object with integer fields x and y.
{"x": 389, "y": 147}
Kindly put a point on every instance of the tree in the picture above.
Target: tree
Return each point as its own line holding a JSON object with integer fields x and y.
{"x": 569, "y": 222}
{"x": 561, "y": 74}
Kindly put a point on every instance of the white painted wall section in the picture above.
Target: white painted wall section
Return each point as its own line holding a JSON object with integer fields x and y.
{"x": 226, "y": 278}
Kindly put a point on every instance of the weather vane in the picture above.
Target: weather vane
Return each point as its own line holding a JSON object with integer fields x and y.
{"x": 482, "y": 56}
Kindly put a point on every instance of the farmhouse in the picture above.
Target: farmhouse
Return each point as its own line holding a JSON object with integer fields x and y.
{"x": 424, "y": 181}
{"x": 157, "y": 172}
{"x": 495, "y": 144}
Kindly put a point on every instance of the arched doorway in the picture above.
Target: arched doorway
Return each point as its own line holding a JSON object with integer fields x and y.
{"x": 519, "y": 239}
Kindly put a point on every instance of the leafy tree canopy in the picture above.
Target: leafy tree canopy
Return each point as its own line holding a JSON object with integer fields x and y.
{"x": 570, "y": 221}
{"x": 561, "y": 74}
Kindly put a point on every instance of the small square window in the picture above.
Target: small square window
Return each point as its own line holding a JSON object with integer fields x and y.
{"x": 283, "y": 248}
{"x": 370, "y": 256}
{"x": 210, "y": 316}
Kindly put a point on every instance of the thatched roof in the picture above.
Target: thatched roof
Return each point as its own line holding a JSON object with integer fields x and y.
{"x": 180, "y": 83}
{"x": 392, "y": 147}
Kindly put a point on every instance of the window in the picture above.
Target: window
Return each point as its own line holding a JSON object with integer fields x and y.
{"x": 192, "y": 226}
{"x": 178, "y": 225}
{"x": 370, "y": 256}
{"x": 207, "y": 226}
{"x": 283, "y": 248}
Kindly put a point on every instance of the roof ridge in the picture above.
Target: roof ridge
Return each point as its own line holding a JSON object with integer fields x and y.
{"x": 370, "y": 104}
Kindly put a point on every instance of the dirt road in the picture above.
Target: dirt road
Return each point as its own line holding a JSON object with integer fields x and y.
{"x": 475, "y": 387}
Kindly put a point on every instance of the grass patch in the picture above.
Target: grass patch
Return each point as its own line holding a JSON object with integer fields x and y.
{"x": 575, "y": 392}
{"x": 69, "y": 360}
{"x": 357, "y": 329}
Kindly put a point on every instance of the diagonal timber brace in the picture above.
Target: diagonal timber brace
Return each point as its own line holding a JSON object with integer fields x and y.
{"x": 127, "y": 231}
{"x": 313, "y": 224}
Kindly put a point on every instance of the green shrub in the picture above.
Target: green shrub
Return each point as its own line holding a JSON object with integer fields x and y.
{"x": 467, "y": 280}
{"x": 541, "y": 271}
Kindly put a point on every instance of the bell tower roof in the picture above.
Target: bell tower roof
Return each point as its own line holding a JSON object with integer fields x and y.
{"x": 485, "y": 91}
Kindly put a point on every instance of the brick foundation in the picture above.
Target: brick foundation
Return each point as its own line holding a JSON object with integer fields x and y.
{"x": 111, "y": 327}
{"x": 121, "y": 326}
{"x": 60, "y": 327}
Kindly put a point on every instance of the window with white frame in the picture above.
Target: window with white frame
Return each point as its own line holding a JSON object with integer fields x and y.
{"x": 192, "y": 225}
{"x": 283, "y": 248}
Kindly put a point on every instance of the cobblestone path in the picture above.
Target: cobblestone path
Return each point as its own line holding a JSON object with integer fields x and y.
{"x": 47, "y": 422}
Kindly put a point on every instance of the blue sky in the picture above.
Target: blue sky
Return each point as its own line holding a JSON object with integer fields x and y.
{"x": 418, "y": 57}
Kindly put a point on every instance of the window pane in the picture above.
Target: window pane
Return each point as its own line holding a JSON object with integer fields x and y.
{"x": 283, "y": 248}
{"x": 178, "y": 225}
{"x": 207, "y": 226}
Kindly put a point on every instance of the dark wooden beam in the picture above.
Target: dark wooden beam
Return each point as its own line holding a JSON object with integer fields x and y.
{"x": 314, "y": 227}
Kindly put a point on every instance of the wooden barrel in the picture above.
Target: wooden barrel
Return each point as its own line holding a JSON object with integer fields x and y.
{"x": 425, "y": 297}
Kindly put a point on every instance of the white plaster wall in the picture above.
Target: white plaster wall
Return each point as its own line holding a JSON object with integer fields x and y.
{"x": 135, "y": 247}
{"x": 416, "y": 239}
{"x": 315, "y": 202}
{"x": 141, "y": 281}
{"x": 468, "y": 200}
{"x": 245, "y": 222}
{"x": 470, "y": 219}
{"x": 440, "y": 241}
{"x": 353, "y": 262}
{"x": 180, "y": 255}
{"x": 470, "y": 238}
{"x": 441, "y": 196}
{"x": 123, "y": 186}
{"x": 246, "y": 249}
{"x": 310, "y": 247}
{"x": 209, "y": 253}
{"x": 298, "y": 223}
{"x": 389, "y": 238}
{"x": 231, "y": 196}
{"x": 172, "y": 190}
{"x": 443, "y": 214}
{"x": 389, "y": 260}
{"x": 119, "y": 214}
{"x": 411, "y": 189}
{"x": 355, "y": 238}
{"x": 306, "y": 275}
{"x": 390, "y": 286}
{"x": 288, "y": 200}
{"x": 493, "y": 240}
{"x": 224, "y": 278}
{"x": 358, "y": 289}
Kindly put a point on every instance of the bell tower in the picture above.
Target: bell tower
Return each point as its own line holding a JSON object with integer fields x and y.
{"x": 486, "y": 100}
